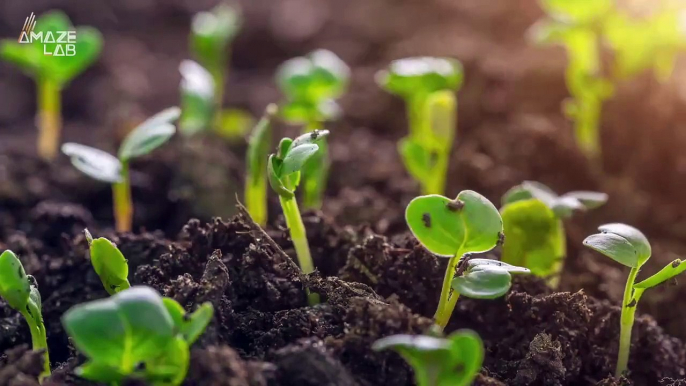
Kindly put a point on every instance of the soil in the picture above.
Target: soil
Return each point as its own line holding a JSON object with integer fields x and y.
{"x": 192, "y": 244}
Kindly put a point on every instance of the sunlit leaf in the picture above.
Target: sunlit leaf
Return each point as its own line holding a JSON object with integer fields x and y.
{"x": 93, "y": 162}
{"x": 486, "y": 279}
{"x": 149, "y": 135}
{"x": 622, "y": 243}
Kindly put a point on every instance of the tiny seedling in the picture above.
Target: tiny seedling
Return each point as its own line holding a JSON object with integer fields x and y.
{"x": 109, "y": 263}
{"x": 20, "y": 291}
{"x": 283, "y": 170}
{"x": 135, "y": 334}
{"x": 256, "y": 159}
{"x": 428, "y": 86}
{"x": 628, "y": 246}
{"x": 197, "y": 98}
{"x": 532, "y": 219}
{"x": 451, "y": 361}
{"x": 456, "y": 229}
{"x": 52, "y": 66}
{"x": 310, "y": 86}
{"x": 102, "y": 166}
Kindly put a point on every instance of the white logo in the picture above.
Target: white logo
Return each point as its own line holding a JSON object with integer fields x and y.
{"x": 64, "y": 41}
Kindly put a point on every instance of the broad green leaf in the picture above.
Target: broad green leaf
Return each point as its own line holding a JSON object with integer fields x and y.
{"x": 149, "y": 135}
{"x": 109, "y": 263}
{"x": 421, "y": 75}
{"x": 675, "y": 268}
{"x": 212, "y": 32}
{"x": 99, "y": 372}
{"x": 468, "y": 224}
{"x": 622, "y": 243}
{"x": 14, "y": 284}
{"x": 89, "y": 43}
{"x": 197, "y": 96}
{"x": 577, "y": 11}
{"x": 312, "y": 79}
{"x": 296, "y": 158}
{"x": 24, "y": 56}
{"x": 197, "y": 322}
{"x": 486, "y": 279}
{"x": 176, "y": 312}
{"x": 170, "y": 368}
{"x": 93, "y": 162}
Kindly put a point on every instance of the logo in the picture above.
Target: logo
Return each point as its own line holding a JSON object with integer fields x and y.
{"x": 55, "y": 43}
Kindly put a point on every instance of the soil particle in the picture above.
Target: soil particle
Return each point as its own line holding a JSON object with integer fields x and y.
{"x": 222, "y": 366}
{"x": 309, "y": 363}
{"x": 20, "y": 366}
{"x": 544, "y": 359}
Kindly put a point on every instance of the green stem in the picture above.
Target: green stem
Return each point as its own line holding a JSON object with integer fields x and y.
{"x": 416, "y": 111}
{"x": 256, "y": 199}
{"x": 123, "y": 205}
{"x": 446, "y": 304}
{"x": 50, "y": 126}
{"x": 218, "y": 76}
{"x": 38, "y": 340}
{"x": 434, "y": 183}
{"x": 626, "y": 323}
{"x": 299, "y": 238}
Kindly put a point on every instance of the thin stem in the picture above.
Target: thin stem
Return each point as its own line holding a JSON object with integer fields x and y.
{"x": 38, "y": 340}
{"x": 299, "y": 238}
{"x": 218, "y": 76}
{"x": 123, "y": 205}
{"x": 50, "y": 121}
{"x": 626, "y": 323}
{"x": 444, "y": 310}
{"x": 256, "y": 199}
{"x": 416, "y": 118}
{"x": 435, "y": 182}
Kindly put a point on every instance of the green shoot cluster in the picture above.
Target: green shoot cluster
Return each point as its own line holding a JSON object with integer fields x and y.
{"x": 428, "y": 86}
{"x": 102, "y": 166}
{"x": 256, "y": 173}
{"x": 628, "y": 246}
{"x": 52, "y": 72}
{"x": 456, "y": 229}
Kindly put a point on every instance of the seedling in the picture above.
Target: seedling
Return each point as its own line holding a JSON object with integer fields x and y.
{"x": 102, "y": 166}
{"x": 456, "y": 229}
{"x": 532, "y": 218}
{"x": 256, "y": 184}
{"x": 310, "y": 86}
{"x": 283, "y": 170}
{"x": 628, "y": 246}
{"x": 109, "y": 263}
{"x": 197, "y": 98}
{"x": 453, "y": 361}
{"x": 52, "y": 66}
{"x": 20, "y": 291}
{"x": 135, "y": 334}
{"x": 428, "y": 86}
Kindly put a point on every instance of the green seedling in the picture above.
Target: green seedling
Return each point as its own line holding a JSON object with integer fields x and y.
{"x": 135, "y": 334}
{"x": 20, "y": 291}
{"x": 197, "y": 98}
{"x": 52, "y": 66}
{"x": 102, "y": 166}
{"x": 456, "y": 229}
{"x": 310, "y": 86}
{"x": 451, "y": 361}
{"x": 256, "y": 159}
{"x": 428, "y": 86}
{"x": 532, "y": 219}
{"x": 109, "y": 263}
{"x": 628, "y": 246}
{"x": 283, "y": 171}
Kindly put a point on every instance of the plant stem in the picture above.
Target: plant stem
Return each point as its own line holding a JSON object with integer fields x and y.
{"x": 256, "y": 198}
{"x": 434, "y": 183}
{"x": 446, "y": 304}
{"x": 218, "y": 76}
{"x": 316, "y": 171}
{"x": 50, "y": 121}
{"x": 299, "y": 237}
{"x": 123, "y": 205}
{"x": 416, "y": 115}
{"x": 626, "y": 323}
{"x": 38, "y": 340}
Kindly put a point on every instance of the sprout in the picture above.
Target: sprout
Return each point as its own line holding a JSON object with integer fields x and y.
{"x": 109, "y": 263}
{"x": 452, "y": 361}
{"x": 283, "y": 170}
{"x": 428, "y": 87}
{"x": 628, "y": 246}
{"x": 456, "y": 229}
{"x": 52, "y": 66}
{"x": 20, "y": 291}
{"x": 532, "y": 218}
{"x": 102, "y": 166}
{"x": 135, "y": 334}
{"x": 256, "y": 159}
{"x": 197, "y": 98}
{"x": 310, "y": 86}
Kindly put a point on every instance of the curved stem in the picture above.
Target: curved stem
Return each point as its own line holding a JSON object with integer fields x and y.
{"x": 629, "y": 304}
{"x": 123, "y": 205}
{"x": 50, "y": 121}
{"x": 444, "y": 310}
{"x": 299, "y": 238}
{"x": 38, "y": 340}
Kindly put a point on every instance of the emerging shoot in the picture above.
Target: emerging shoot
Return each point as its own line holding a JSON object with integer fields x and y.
{"x": 109, "y": 263}
{"x": 256, "y": 159}
{"x": 102, "y": 166}
{"x": 456, "y": 229}
{"x": 20, "y": 291}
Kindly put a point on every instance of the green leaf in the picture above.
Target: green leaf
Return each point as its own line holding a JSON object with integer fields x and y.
{"x": 149, "y": 135}
{"x": 99, "y": 372}
{"x": 273, "y": 172}
{"x": 296, "y": 158}
{"x": 109, "y": 263}
{"x": 486, "y": 279}
{"x": 563, "y": 206}
{"x": 311, "y": 80}
{"x": 24, "y": 56}
{"x": 622, "y": 243}
{"x": 171, "y": 368}
{"x": 308, "y": 138}
{"x": 468, "y": 224}
{"x": 197, "y": 96}
{"x": 93, "y": 162}
{"x": 212, "y": 32}
{"x": 421, "y": 75}
{"x": 89, "y": 43}
{"x": 14, "y": 284}
{"x": 190, "y": 326}
{"x": 258, "y": 146}
{"x": 675, "y": 268}
{"x": 417, "y": 159}
{"x": 453, "y": 361}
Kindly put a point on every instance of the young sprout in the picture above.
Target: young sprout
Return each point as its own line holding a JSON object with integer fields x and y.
{"x": 428, "y": 86}
{"x": 52, "y": 66}
{"x": 310, "y": 86}
{"x": 628, "y": 246}
{"x": 135, "y": 334}
{"x": 102, "y": 166}
{"x": 451, "y": 361}
{"x": 256, "y": 159}
{"x": 283, "y": 170}
{"x": 532, "y": 219}
{"x": 109, "y": 263}
{"x": 456, "y": 229}
{"x": 197, "y": 98}
{"x": 20, "y": 291}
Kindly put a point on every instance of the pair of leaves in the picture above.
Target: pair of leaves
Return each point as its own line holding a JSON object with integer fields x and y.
{"x": 283, "y": 168}
{"x": 109, "y": 263}
{"x": 197, "y": 98}
{"x": 212, "y": 32}
{"x": 563, "y": 206}
{"x": 421, "y": 76}
{"x": 30, "y": 57}
{"x": 145, "y": 138}
{"x": 486, "y": 279}
{"x": 451, "y": 361}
